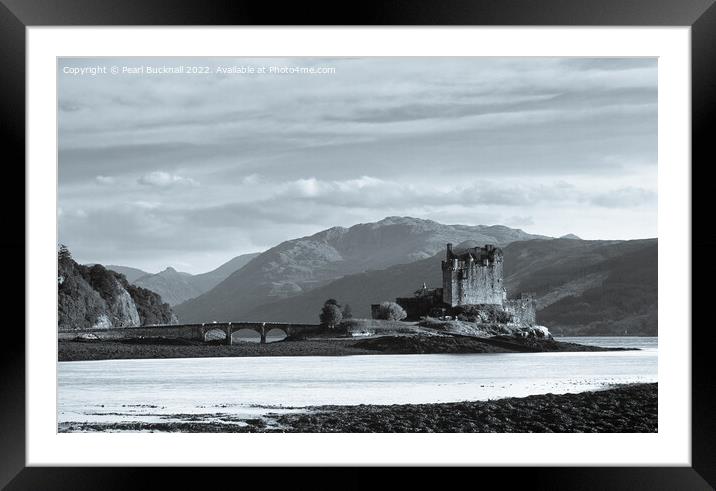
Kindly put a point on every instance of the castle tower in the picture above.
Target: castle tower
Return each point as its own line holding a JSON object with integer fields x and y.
{"x": 473, "y": 276}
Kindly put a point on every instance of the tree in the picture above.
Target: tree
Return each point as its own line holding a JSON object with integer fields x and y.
{"x": 63, "y": 254}
{"x": 347, "y": 312}
{"x": 391, "y": 311}
{"x": 332, "y": 301}
{"x": 330, "y": 315}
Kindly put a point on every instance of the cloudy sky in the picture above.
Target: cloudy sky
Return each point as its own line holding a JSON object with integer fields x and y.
{"x": 190, "y": 170}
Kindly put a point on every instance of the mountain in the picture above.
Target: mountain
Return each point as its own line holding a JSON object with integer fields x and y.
{"x": 176, "y": 287}
{"x": 130, "y": 273}
{"x": 358, "y": 290}
{"x": 207, "y": 281}
{"x": 301, "y": 265}
{"x": 173, "y": 286}
{"x": 93, "y": 297}
{"x": 571, "y": 236}
{"x": 582, "y": 287}
{"x": 624, "y": 303}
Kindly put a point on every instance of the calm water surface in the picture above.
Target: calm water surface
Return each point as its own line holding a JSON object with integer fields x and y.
{"x": 175, "y": 389}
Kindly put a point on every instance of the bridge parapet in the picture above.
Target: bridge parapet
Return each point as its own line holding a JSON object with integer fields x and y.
{"x": 199, "y": 331}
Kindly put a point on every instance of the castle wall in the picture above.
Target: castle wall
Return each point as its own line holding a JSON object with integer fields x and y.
{"x": 480, "y": 284}
{"x": 471, "y": 283}
{"x": 449, "y": 285}
{"x": 523, "y": 310}
{"x": 420, "y": 306}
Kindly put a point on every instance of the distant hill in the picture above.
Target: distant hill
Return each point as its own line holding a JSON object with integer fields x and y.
{"x": 172, "y": 285}
{"x": 95, "y": 297}
{"x": 358, "y": 290}
{"x": 130, "y": 273}
{"x": 582, "y": 287}
{"x": 301, "y": 265}
{"x": 624, "y": 303}
{"x": 176, "y": 287}
{"x": 207, "y": 281}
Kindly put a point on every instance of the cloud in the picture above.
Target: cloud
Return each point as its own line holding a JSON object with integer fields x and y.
{"x": 627, "y": 197}
{"x": 602, "y": 64}
{"x": 336, "y": 202}
{"x": 68, "y": 106}
{"x": 565, "y": 103}
{"x": 259, "y": 159}
{"x": 308, "y": 188}
{"x": 251, "y": 179}
{"x": 162, "y": 179}
{"x": 144, "y": 231}
{"x": 146, "y": 205}
{"x": 373, "y": 117}
{"x": 372, "y": 192}
{"x": 317, "y": 188}
{"x": 520, "y": 221}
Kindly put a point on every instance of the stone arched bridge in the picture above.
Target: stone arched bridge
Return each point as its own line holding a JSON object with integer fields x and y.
{"x": 199, "y": 331}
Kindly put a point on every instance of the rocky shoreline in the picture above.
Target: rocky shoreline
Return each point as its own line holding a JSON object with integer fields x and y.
{"x": 623, "y": 409}
{"x": 143, "y": 348}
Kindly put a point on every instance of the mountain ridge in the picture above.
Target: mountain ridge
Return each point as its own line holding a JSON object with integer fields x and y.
{"x": 571, "y": 280}
{"x": 130, "y": 274}
{"x": 176, "y": 286}
{"x": 302, "y": 264}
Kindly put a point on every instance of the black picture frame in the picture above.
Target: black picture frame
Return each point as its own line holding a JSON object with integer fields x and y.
{"x": 16, "y": 15}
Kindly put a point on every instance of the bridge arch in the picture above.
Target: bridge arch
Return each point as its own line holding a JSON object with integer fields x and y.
{"x": 248, "y": 334}
{"x": 276, "y": 332}
{"x": 212, "y": 333}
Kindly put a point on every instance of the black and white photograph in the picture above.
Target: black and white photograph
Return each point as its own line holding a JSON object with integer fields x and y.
{"x": 357, "y": 244}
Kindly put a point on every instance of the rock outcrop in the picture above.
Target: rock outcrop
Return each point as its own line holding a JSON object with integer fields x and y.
{"x": 93, "y": 297}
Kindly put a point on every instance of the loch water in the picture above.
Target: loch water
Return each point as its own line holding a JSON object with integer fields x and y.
{"x": 169, "y": 390}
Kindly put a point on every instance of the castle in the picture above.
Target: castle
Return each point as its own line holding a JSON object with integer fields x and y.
{"x": 472, "y": 276}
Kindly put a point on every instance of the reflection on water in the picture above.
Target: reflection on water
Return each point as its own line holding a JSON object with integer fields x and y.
{"x": 132, "y": 390}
